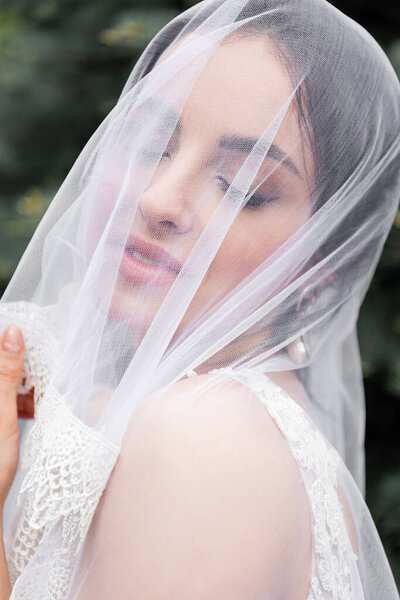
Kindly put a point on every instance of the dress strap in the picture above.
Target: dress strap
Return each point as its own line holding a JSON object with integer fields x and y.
{"x": 191, "y": 373}
{"x": 318, "y": 462}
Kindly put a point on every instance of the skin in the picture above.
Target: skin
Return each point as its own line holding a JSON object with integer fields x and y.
{"x": 174, "y": 434}
{"x": 188, "y": 510}
{"x": 12, "y": 406}
{"x": 172, "y": 212}
{"x": 174, "y": 208}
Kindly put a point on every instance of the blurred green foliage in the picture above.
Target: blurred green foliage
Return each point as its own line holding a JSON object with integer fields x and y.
{"x": 62, "y": 66}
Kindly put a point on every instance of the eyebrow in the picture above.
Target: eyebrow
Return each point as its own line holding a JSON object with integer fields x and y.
{"x": 234, "y": 142}
{"x": 246, "y": 144}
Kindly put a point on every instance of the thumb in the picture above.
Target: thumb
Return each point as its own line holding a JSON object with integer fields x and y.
{"x": 11, "y": 365}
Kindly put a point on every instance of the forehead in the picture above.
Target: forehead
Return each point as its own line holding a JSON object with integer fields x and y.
{"x": 242, "y": 84}
{"x": 240, "y": 91}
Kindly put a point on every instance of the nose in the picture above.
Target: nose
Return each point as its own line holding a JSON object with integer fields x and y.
{"x": 167, "y": 204}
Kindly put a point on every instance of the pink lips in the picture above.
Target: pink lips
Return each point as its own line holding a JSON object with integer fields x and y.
{"x": 165, "y": 269}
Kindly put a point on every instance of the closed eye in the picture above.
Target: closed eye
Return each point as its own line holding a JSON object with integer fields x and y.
{"x": 254, "y": 201}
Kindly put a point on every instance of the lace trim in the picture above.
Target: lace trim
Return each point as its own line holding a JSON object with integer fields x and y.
{"x": 331, "y": 575}
{"x": 40, "y": 332}
{"x": 67, "y": 467}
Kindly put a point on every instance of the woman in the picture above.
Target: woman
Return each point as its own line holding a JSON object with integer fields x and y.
{"x": 188, "y": 305}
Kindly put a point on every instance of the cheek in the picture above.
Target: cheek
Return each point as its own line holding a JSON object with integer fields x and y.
{"x": 252, "y": 239}
{"x": 106, "y": 194}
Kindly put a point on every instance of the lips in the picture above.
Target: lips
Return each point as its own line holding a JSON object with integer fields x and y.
{"x": 145, "y": 262}
{"x": 153, "y": 253}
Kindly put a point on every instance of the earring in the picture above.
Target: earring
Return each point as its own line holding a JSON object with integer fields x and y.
{"x": 306, "y": 299}
{"x": 297, "y": 350}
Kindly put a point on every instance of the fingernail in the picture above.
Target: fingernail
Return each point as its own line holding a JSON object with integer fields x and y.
{"x": 12, "y": 341}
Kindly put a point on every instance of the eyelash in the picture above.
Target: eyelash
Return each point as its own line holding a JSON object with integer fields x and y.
{"x": 255, "y": 202}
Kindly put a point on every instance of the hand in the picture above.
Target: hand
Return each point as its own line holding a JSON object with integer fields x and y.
{"x": 12, "y": 406}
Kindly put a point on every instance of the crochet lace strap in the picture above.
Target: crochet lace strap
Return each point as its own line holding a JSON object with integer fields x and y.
{"x": 66, "y": 466}
{"x": 318, "y": 462}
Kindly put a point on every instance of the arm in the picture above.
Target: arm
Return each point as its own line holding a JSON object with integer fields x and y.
{"x": 5, "y": 587}
{"x": 206, "y": 502}
{"x": 11, "y": 364}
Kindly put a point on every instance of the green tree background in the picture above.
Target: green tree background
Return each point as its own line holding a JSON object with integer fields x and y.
{"x": 62, "y": 66}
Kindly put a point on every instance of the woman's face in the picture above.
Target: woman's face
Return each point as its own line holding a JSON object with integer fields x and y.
{"x": 238, "y": 94}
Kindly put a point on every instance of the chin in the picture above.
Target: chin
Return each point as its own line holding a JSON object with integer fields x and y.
{"x": 133, "y": 308}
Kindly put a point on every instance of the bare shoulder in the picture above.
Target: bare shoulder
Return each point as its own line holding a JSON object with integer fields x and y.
{"x": 207, "y": 495}
{"x": 222, "y": 427}
{"x": 224, "y": 411}
{"x": 215, "y": 444}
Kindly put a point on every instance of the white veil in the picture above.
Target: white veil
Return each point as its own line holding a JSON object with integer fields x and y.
{"x": 228, "y": 213}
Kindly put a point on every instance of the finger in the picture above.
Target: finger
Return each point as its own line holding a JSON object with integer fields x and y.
{"x": 11, "y": 366}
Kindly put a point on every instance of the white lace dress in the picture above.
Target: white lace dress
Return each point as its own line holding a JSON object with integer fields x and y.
{"x": 68, "y": 464}
{"x": 318, "y": 463}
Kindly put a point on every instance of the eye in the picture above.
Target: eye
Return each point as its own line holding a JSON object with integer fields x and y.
{"x": 152, "y": 154}
{"x": 255, "y": 200}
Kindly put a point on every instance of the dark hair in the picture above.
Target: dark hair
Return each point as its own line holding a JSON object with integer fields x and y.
{"x": 337, "y": 62}
{"x": 346, "y": 81}
{"x": 330, "y": 97}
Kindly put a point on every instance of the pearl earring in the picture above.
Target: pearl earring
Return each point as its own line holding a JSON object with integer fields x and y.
{"x": 297, "y": 350}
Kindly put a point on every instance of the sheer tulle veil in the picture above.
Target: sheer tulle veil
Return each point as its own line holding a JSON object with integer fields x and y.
{"x": 228, "y": 214}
